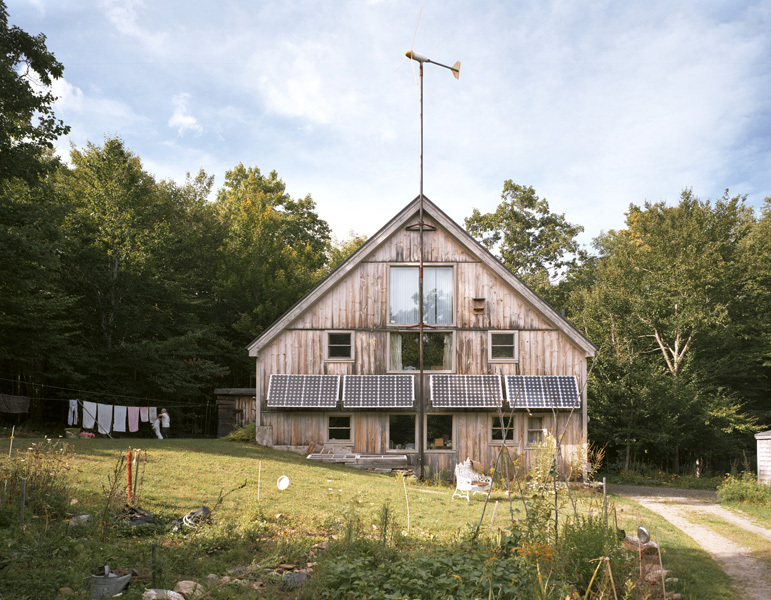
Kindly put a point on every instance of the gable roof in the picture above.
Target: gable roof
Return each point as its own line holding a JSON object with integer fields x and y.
{"x": 462, "y": 236}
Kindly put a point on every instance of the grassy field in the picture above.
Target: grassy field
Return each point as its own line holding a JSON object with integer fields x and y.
{"x": 255, "y": 523}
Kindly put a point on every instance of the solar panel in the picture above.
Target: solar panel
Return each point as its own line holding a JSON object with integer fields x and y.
{"x": 466, "y": 391}
{"x": 301, "y": 391}
{"x": 542, "y": 391}
{"x": 378, "y": 391}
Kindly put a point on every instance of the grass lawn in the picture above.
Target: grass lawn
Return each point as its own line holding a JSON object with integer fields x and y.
{"x": 256, "y": 523}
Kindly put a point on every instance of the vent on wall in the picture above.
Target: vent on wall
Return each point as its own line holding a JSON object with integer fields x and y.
{"x": 478, "y": 306}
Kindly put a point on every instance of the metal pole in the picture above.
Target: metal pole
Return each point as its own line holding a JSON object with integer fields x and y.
{"x": 421, "y": 441}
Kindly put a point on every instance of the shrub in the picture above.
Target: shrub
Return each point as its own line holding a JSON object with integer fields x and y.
{"x": 744, "y": 489}
{"x": 247, "y": 433}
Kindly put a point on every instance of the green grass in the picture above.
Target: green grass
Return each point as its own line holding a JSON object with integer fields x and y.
{"x": 699, "y": 576}
{"x": 760, "y": 514}
{"x": 276, "y": 527}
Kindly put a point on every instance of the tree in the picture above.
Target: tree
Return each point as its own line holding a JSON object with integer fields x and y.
{"x": 28, "y": 125}
{"x": 273, "y": 252}
{"x": 138, "y": 263}
{"x": 660, "y": 288}
{"x": 339, "y": 250}
{"x": 536, "y": 245}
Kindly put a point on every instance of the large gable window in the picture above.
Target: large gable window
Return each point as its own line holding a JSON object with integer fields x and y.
{"x": 437, "y": 296}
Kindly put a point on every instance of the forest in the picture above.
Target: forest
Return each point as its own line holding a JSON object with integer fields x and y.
{"x": 115, "y": 284}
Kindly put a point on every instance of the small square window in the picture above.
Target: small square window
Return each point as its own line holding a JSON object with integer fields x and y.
{"x": 534, "y": 430}
{"x": 439, "y": 432}
{"x": 339, "y": 345}
{"x": 502, "y": 427}
{"x": 502, "y": 346}
{"x": 339, "y": 429}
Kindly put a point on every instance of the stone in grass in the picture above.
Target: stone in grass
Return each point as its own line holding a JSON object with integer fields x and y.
{"x": 189, "y": 589}
{"x": 294, "y": 579}
{"x": 65, "y": 591}
{"x": 162, "y": 595}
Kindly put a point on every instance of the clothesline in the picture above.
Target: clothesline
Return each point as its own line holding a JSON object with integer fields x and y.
{"x": 110, "y": 417}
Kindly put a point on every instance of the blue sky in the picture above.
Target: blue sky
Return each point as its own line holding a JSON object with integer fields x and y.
{"x": 596, "y": 104}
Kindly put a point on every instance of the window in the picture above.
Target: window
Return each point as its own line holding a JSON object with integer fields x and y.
{"x": 401, "y": 432}
{"x": 437, "y": 295}
{"x": 339, "y": 428}
{"x": 439, "y": 432}
{"x": 339, "y": 345}
{"x": 500, "y": 427}
{"x": 534, "y": 430}
{"x": 405, "y": 352}
{"x": 502, "y": 346}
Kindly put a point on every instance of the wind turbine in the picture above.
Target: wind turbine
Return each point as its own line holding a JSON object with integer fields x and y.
{"x": 421, "y": 226}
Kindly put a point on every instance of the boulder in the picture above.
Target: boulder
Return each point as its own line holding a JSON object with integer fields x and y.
{"x": 189, "y": 589}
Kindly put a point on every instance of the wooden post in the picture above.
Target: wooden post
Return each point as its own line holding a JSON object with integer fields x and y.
{"x": 129, "y": 478}
{"x": 605, "y": 501}
{"x": 10, "y": 448}
{"x": 23, "y": 500}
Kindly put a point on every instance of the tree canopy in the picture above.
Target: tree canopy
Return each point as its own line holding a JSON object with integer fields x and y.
{"x": 535, "y": 244}
{"x": 28, "y": 126}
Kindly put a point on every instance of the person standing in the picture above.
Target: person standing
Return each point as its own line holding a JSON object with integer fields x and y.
{"x": 165, "y": 420}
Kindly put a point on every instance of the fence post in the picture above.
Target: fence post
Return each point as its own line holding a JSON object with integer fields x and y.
{"x": 23, "y": 500}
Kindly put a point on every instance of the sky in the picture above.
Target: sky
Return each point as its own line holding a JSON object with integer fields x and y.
{"x": 596, "y": 104}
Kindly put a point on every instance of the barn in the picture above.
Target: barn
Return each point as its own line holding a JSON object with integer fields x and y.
{"x": 340, "y": 372}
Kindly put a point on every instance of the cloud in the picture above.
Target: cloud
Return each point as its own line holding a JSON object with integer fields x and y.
{"x": 181, "y": 119}
{"x": 123, "y": 14}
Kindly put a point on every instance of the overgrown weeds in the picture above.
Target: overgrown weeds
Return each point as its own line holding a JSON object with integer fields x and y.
{"x": 45, "y": 466}
{"x": 247, "y": 433}
{"x": 744, "y": 489}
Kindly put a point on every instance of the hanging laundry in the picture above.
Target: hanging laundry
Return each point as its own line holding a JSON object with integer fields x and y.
{"x": 119, "y": 419}
{"x": 72, "y": 414}
{"x": 104, "y": 417}
{"x": 14, "y": 404}
{"x": 89, "y": 414}
{"x": 153, "y": 414}
{"x": 133, "y": 418}
{"x": 143, "y": 416}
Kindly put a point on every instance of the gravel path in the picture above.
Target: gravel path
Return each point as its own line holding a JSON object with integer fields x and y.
{"x": 751, "y": 577}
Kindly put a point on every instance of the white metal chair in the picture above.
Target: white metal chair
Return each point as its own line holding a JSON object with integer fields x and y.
{"x": 468, "y": 480}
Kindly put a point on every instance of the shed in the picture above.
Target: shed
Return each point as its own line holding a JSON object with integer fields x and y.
{"x": 235, "y": 408}
{"x": 764, "y": 457}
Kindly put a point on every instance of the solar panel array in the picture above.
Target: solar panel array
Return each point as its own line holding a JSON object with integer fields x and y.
{"x": 466, "y": 391}
{"x": 378, "y": 391}
{"x": 542, "y": 391}
{"x": 300, "y": 391}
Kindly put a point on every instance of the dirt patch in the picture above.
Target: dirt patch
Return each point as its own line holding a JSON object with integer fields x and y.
{"x": 751, "y": 577}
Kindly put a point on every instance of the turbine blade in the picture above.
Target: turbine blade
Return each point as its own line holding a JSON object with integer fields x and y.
{"x": 412, "y": 46}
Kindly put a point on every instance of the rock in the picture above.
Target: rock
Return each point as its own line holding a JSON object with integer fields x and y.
{"x": 161, "y": 595}
{"x": 294, "y": 579}
{"x": 244, "y": 570}
{"x": 79, "y": 521}
{"x": 287, "y": 567}
{"x": 189, "y": 589}
{"x": 648, "y": 549}
{"x": 212, "y": 579}
{"x": 65, "y": 591}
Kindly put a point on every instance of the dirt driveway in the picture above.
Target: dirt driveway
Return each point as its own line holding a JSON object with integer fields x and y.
{"x": 751, "y": 577}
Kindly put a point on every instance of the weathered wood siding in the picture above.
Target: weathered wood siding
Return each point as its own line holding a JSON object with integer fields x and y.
{"x": 359, "y": 302}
